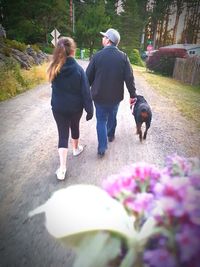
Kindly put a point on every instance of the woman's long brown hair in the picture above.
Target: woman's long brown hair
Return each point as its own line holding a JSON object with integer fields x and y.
{"x": 63, "y": 49}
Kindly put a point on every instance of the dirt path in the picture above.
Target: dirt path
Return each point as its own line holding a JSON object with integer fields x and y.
{"x": 28, "y": 160}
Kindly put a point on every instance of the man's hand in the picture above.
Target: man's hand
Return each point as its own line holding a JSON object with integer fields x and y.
{"x": 132, "y": 101}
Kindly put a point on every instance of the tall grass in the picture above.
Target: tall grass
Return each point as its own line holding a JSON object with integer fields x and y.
{"x": 14, "y": 80}
{"x": 185, "y": 97}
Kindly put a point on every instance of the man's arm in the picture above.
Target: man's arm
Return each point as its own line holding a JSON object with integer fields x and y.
{"x": 129, "y": 80}
{"x": 90, "y": 71}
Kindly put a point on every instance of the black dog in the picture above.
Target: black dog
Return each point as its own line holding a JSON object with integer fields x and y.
{"x": 142, "y": 113}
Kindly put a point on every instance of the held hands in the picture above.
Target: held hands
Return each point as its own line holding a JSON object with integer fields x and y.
{"x": 89, "y": 116}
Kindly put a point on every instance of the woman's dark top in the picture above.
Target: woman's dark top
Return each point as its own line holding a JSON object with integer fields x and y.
{"x": 71, "y": 90}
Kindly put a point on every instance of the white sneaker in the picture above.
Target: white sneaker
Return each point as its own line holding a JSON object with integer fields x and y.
{"x": 60, "y": 174}
{"x": 78, "y": 150}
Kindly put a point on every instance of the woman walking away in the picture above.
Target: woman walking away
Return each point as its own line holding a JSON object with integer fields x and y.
{"x": 70, "y": 94}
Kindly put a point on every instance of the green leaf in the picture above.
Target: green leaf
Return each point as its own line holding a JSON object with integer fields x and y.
{"x": 97, "y": 251}
{"x": 80, "y": 210}
{"x": 130, "y": 258}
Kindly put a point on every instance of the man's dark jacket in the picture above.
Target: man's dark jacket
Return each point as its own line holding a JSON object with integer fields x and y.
{"x": 107, "y": 71}
{"x": 71, "y": 90}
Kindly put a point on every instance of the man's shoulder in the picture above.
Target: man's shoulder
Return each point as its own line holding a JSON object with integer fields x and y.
{"x": 98, "y": 53}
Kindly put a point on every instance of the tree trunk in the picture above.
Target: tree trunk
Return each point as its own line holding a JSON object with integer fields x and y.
{"x": 166, "y": 28}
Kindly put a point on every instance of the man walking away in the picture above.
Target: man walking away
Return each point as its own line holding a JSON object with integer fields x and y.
{"x": 107, "y": 71}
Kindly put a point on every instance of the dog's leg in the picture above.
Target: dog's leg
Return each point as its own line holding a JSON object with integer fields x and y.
{"x": 146, "y": 129}
{"x": 145, "y": 134}
{"x": 139, "y": 131}
{"x": 140, "y": 135}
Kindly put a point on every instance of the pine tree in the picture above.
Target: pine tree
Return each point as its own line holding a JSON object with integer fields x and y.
{"x": 91, "y": 20}
{"x": 130, "y": 26}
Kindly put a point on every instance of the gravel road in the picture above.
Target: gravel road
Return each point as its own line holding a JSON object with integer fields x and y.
{"x": 28, "y": 160}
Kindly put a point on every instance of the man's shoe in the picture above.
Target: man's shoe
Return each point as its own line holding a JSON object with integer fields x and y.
{"x": 101, "y": 154}
{"x": 111, "y": 138}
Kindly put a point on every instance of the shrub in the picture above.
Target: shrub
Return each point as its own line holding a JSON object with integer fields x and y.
{"x": 78, "y": 53}
{"x": 48, "y": 49}
{"x": 14, "y": 80}
{"x": 135, "y": 58}
{"x": 86, "y": 53}
{"x": 11, "y": 81}
{"x": 35, "y": 76}
{"x": 35, "y": 48}
{"x": 6, "y": 51}
{"x": 16, "y": 45}
{"x": 163, "y": 60}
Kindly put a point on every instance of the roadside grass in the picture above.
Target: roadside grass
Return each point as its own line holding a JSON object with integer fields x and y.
{"x": 185, "y": 97}
{"x": 14, "y": 80}
{"x": 35, "y": 76}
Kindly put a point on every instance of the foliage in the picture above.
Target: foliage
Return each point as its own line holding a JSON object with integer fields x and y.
{"x": 14, "y": 80}
{"x": 35, "y": 76}
{"x": 186, "y": 98}
{"x": 11, "y": 80}
{"x": 36, "y": 48}
{"x": 111, "y": 11}
{"x": 85, "y": 53}
{"x": 130, "y": 20}
{"x": 15, "y": 44}
{"x": 163, "y": 60}
{"x": 31, "y": 21}
{"x": 90, "y": 21}
{"x": 48, "y": 49}
{"x": 135, "y": 58}
{"x": 6, "y": 51}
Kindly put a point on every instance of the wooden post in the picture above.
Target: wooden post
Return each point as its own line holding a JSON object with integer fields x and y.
{"x": 71, "y": 13}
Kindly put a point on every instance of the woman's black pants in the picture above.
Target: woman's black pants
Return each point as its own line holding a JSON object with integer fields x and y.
{"x": 65, "y": 122}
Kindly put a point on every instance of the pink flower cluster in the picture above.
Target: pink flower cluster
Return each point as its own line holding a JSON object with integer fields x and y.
{"x": 172, "y": 196}
{"x": 134, "y": 186}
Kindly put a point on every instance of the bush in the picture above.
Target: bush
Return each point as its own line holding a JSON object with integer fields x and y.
{"x": 16, "y": 45}
{"x": 6, "y": 51}
{"x": 11, "y": 80}
{"x": 86, "y": 53}
{"x": 135, "y": 58}
{"x": 78, "y": 53}
{"x": 163, "y": 60}
{"x": 48, "y": 49}
{"x": 14, "y": 80}
{"x": 36, "y": 48}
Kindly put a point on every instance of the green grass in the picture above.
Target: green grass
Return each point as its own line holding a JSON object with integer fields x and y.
{"x": 185, "y": 97}
{"x": 14, "y": 80}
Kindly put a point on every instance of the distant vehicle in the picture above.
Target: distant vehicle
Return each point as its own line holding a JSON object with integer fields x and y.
{"x": 146, "y": 54}
{"x": 155, "y": 55}
{"x": 163, "y": 59}
{"x": 191, "y": 49}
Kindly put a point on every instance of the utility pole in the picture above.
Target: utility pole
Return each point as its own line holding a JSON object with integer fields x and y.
{"x": 73, "y": 18}
{"x": 70, "y": 12}
{"x": 72, "y": 15}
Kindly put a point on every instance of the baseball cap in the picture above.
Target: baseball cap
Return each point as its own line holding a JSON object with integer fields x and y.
{"x": 112, "y": 35}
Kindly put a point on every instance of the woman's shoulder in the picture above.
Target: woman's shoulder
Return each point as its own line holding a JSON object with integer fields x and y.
{"x": 79, "y": 67}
